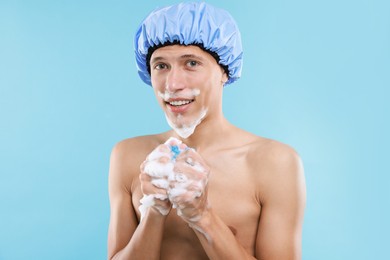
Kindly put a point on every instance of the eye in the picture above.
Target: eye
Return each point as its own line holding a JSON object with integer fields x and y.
{"x": 160, "y": 66}
{"x": 192, "y": 63}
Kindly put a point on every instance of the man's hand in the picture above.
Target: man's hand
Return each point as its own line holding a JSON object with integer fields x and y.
{"x": 174, "y": 174}
{"x": 156, "y": 175}
{"x": 188, "y": 188}
{"x": 155, "y": 171}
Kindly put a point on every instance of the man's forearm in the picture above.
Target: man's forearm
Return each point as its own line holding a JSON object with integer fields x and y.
{"x": 146, "y": 240}
{"x": 218, "y": 240}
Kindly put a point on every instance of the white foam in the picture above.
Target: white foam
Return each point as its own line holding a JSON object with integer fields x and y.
{"x": 168, "y": 95}
{"x": 157, "y": 169}
{"x": 176, "y": 184}
{"x": 146, "y": 202}
{"x": 207, "y": 236}
{"x": 161, "y": 183}
{"x": 183, "y": 130}
{"x": 178, "y": 190}
{"x": 195, "y": 92}
{"x": 180, "y": 177}
{"x": 163, "y": 210}
{"x": 199, "y": 167}
{"x": 186, "y": 130}
{"x": 165, "y": 96}
{"x": 173, "y": 141}
{"x": 156, "y": 154}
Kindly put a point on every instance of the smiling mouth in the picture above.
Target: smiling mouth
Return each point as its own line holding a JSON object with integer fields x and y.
{"x": 178, "y": 103}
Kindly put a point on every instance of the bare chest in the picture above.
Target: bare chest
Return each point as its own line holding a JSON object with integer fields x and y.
{"x": 232, "y": 195}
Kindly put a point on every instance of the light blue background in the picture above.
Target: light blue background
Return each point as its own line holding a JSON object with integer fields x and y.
{"x": 316, "y": 76}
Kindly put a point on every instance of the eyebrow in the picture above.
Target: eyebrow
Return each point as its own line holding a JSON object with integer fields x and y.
{"x": 155, "y": 59}
{"x": 185, "y": 56}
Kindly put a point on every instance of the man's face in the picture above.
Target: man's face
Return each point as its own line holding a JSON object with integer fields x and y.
{"x": 188, "y": 84}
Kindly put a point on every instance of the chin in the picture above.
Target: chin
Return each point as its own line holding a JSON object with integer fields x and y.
{"x": 185, "y": 126}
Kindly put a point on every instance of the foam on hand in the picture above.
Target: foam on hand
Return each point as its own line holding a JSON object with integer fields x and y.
{"x": 161, "y": 173}
{"x": 160, "y": 167}
{"x": 146, "y": 202}
{"x": 200, "y": 230}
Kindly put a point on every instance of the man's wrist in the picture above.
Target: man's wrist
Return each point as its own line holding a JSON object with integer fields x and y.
{"x": 205, "y": 220}
{"x": 155, "y": 213}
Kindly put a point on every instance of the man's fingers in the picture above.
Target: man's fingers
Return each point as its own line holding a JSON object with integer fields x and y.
{"x": 162, "y": 150}
{"x": 193, "y": 160}
{"x": 151, "y": 185}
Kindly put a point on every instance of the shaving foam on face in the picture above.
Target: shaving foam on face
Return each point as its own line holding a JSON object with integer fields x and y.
{"x": 185, "y": 130}
{"x": 168, "y": 95}
{"x": 195, "y": 92}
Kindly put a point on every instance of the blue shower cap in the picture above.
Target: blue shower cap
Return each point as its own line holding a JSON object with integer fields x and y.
{"x": 195, "y": 23}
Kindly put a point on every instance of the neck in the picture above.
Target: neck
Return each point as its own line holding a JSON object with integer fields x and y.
{"x": 210, "y": 131}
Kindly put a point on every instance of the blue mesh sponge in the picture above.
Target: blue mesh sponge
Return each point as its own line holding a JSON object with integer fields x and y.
{"x": 175, "y": 150}
{"x": 191, "y": 23}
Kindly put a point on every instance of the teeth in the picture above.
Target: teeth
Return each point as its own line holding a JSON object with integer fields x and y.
{"x": 179, "y": 102}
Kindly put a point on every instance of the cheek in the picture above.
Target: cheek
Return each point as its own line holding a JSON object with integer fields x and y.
{"x": 204, "y": 80}
{"x": 157, "y": 94}
{"x": 155, "y": 83}
{"x": 215, "y": 82}
{"x": 217, "y": 75}
{"x": 158, "y": 87}
{"x": 157, "y": 80}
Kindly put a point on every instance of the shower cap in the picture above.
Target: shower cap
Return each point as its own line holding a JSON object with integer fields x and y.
{"x": 196, "y": 23}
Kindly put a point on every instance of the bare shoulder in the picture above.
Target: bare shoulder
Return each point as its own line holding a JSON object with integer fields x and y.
{"x": 273, "y": 154}
{"x": 276, "y": 165}
{"x": 131, "y": 148}
{"x": 280, "y": 189}
{"x": 276, "y": 154}
{"x": 127, "y": 156}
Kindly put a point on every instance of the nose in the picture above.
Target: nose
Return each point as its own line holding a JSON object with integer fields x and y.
{"x": 175, "y": 80}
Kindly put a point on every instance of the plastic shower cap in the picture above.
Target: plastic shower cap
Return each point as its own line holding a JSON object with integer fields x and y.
{"x": 190, "y": 23}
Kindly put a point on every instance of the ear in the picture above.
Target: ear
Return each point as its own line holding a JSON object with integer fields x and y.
{"x": 225, "y": 77}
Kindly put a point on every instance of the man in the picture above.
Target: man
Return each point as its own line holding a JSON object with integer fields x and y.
{"x": 205, "y": 189}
